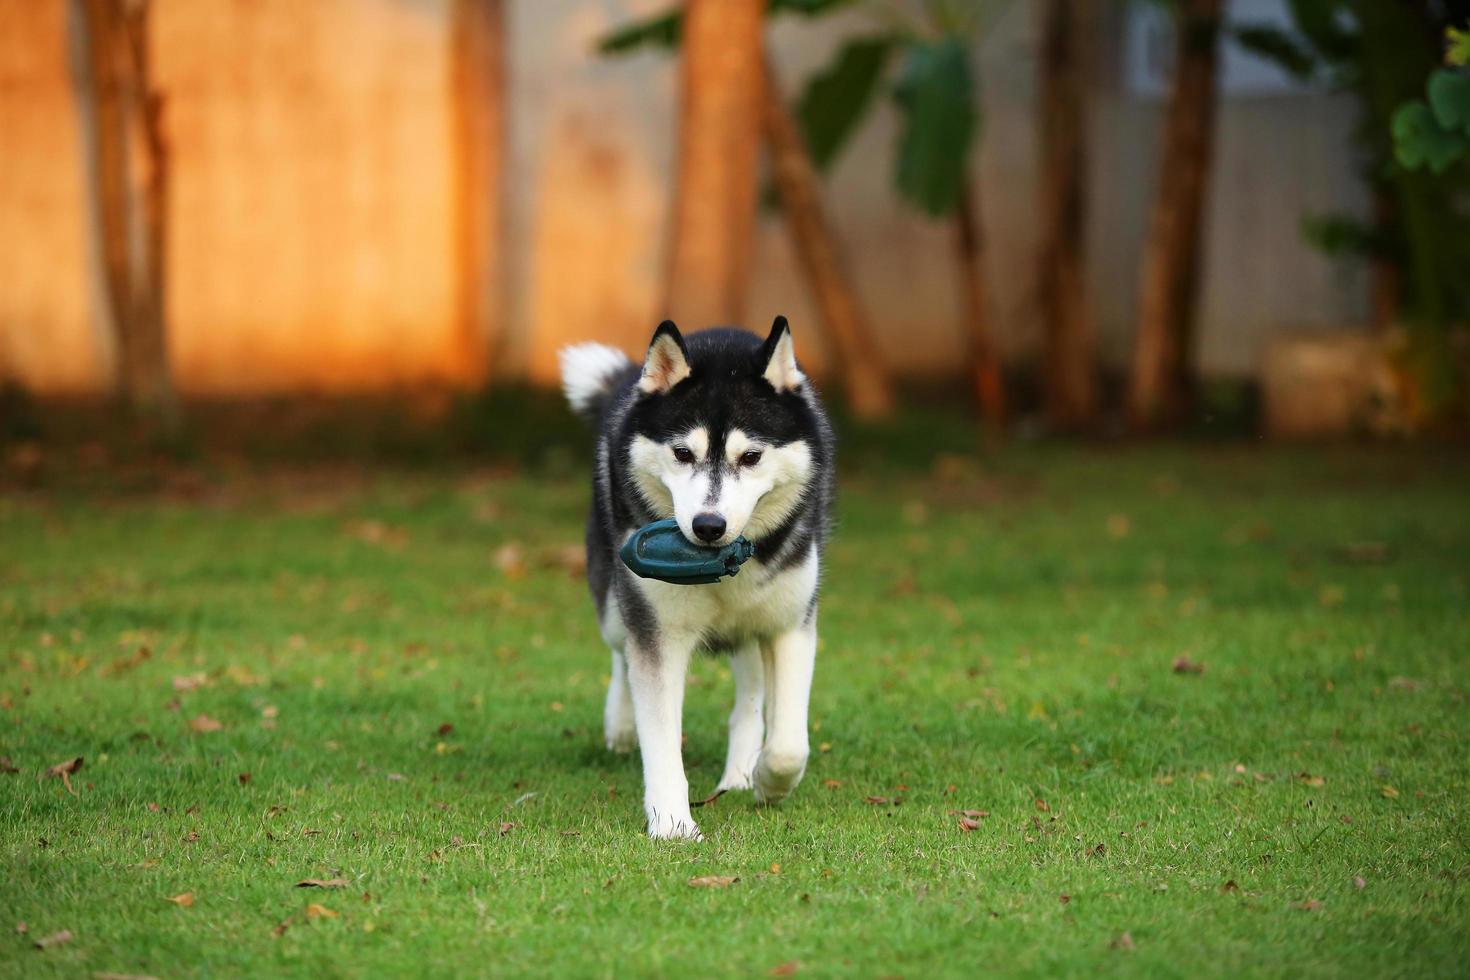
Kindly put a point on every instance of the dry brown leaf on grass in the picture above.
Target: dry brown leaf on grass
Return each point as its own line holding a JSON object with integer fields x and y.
{"x": 1229, "y": 886}
{"x": 323, "y": 883}
{"x": 22, "y": 928}
{"x": 1307, "y": 779}
{"x": 184, "y": 683}
{"x": 182, "y": 901}
{"x": 785, "y": 969}
{"x": 511, "y": 560}
{"x": 1183, "y": 665}
{"x": 64, "y": 771}
{"x": 875, "y": 800}
{"x": 968, "y": 824}
{"x": 55, "y": 939}
{"x": 315, "y": 911}
{"x": 712, "y": 881}
{"x": 7, "y": 767}
{"x": 204, "y": 723}
{"x": 972, "y": 814}
{"x": 1310, "y": 905}
{"x": 244, "y": 778}
{"x": 1124, "y": 941}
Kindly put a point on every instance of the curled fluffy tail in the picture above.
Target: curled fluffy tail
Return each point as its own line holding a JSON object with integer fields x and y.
{"x": 590, "y": 374}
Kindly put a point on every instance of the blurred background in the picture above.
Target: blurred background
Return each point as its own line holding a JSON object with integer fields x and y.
{"x": 1081, "y": 217}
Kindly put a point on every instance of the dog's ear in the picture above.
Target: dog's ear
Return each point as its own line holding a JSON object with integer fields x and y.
{"x": 779, "y": 354}
{"x": 667, "y": 362}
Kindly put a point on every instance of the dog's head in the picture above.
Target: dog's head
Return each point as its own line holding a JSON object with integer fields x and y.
{"x": 724, "y": 438}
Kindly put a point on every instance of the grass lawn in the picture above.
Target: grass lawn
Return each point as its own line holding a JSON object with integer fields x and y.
{"x": 410, "y": 675}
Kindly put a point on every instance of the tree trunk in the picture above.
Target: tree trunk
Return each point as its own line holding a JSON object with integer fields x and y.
{"x": 1163, "y": 352}
{"x": 128, "y": 166}
{"x": 983, "y": 360}
{"x": 719, "y": 139}
{"x": 1069, "y": 339}
{"x": 869, "y": 387}
{"x": 478, "y": 97}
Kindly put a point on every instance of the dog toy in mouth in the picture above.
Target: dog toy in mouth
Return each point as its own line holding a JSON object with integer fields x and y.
{"x": 660, "y": 551}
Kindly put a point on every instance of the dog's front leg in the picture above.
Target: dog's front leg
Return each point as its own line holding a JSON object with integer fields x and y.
{"x": 790, "y": 658}
{"x": 656, "y": 672}
{"x": 745, "y": 719}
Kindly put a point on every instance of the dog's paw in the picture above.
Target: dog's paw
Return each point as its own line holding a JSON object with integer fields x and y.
{"x": 667, "y": 826}
{"x": 734, "y": 780}
{"x": 621, "y": 739}
{"x": 776, "y": 775}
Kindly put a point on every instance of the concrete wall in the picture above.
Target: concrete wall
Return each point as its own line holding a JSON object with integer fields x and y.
{"x": 312, "y": 240}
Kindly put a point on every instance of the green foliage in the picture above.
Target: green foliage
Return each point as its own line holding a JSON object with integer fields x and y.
{"x": 1449, "y": 97}
{"x": 1457, "y": 47}
{"x": 1343, "y": 235}
{"x": 1419, "y": 140}
{"x": 837, "y": 98}
{"x": 662, "y": 31}
{"x": 935, "y": 95}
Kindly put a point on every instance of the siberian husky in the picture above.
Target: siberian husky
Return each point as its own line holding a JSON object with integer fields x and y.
{"x": 722, "y": 432}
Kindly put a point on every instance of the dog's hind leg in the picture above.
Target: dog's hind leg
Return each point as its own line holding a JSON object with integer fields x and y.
{"x": 656, "y": 675}
{"x": 746, "y": 727}
{"x": 789, "y": 661}
{"x": 618, "y": 725}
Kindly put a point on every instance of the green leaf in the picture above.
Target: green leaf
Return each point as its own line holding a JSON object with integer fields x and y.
{"x": 1449, "y": 97}
{"x": 662, "y": 31}
{"x": 1327, "y": 24}
{"x": 659, "y": 31}
{"x": 1457, "y": 47}
{"x": 1340, "y": 235}
{"x": 1419, "y": 141}
{"x": 1282, "y": 48}
{"x": 936, "y": 98}
{"x": 837, "y": 97}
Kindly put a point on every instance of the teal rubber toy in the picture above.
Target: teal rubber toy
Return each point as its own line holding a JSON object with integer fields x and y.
{"x": 660, "y": 551}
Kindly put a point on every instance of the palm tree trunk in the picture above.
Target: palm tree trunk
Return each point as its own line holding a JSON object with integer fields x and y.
{"x": 984, "y": 361}
{"x": 1069, "y": 339}
{"x": 478, "y": 98}
{"x": 1163, "y": 351}
{"x": 869, "y": 387}
{"x": 128, "y": 166}
{"x": 713, "y": 229}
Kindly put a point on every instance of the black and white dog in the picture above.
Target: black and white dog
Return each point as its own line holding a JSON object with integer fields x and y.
{"x": 723, "y": 433}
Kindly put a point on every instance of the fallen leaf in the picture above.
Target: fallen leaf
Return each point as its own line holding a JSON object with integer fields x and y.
{"x": 1183, "y": 665}
{"x": 506, "y": 826}
{"x": 511, "y": 560}
{"x": 191, "y": 837}
{"x": 712, "y": 881}
{"x": 1043, "y": 806}
{"x": 244, "y": 778}
{"x": 1229, "y": 886}
{"x": 968, "y": 824}
{"x": 184, "y": 683}
{"x": 204, "y": 723}
{"x": 322, "y": 883}
{"x": 875, "y": 800}
{"x": 55, "y": 939}
{"x": 1125, "y": 941}
{"x": 315, "y": 911}
{"x": 7, "y": 767}
{"x": 785, "y": 969}
{"x": 1064, "y": 898}
{"x": 832, "y": 783}
{"x": 972, "y": 814}
{"x": 1118, "y": 526}
{"x": 1097, "y": 850}
{"x": 1359, "y": 883}
{"x": 1390, "y": 792}
{"x": 64, "y": 771}
{"x": 281, "y": 927}
{"x": 22, "y": 928}
{"x": 1310, "y": 905}
{"x": 445, "y": 729}
{"x": 309, "y": 832}
{"x": 1307, "y": 779}
{"x": 182, "y": 901}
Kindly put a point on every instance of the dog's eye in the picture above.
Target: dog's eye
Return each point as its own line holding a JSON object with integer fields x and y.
{"x": 684, "y": 454}
{"x": 750, "y": 458}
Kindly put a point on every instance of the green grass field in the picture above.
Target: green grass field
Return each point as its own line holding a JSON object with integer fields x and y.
{"x": 408, "y": 670}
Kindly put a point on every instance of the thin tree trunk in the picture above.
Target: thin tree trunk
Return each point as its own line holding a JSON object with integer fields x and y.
{"x": 1385, "y": 271}
{"x": 1069, "y": 339}
{"x": 869, "y": 387}
{"x": 1163, "y": 352}
{"x": 719, "y": 140}
{"x": 984, "y": 361}
{"x": 130, "y": 200}
{"x": 479, "y": 107}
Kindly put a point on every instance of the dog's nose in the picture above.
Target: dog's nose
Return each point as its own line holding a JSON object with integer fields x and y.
{"x": 708, "y": 527}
